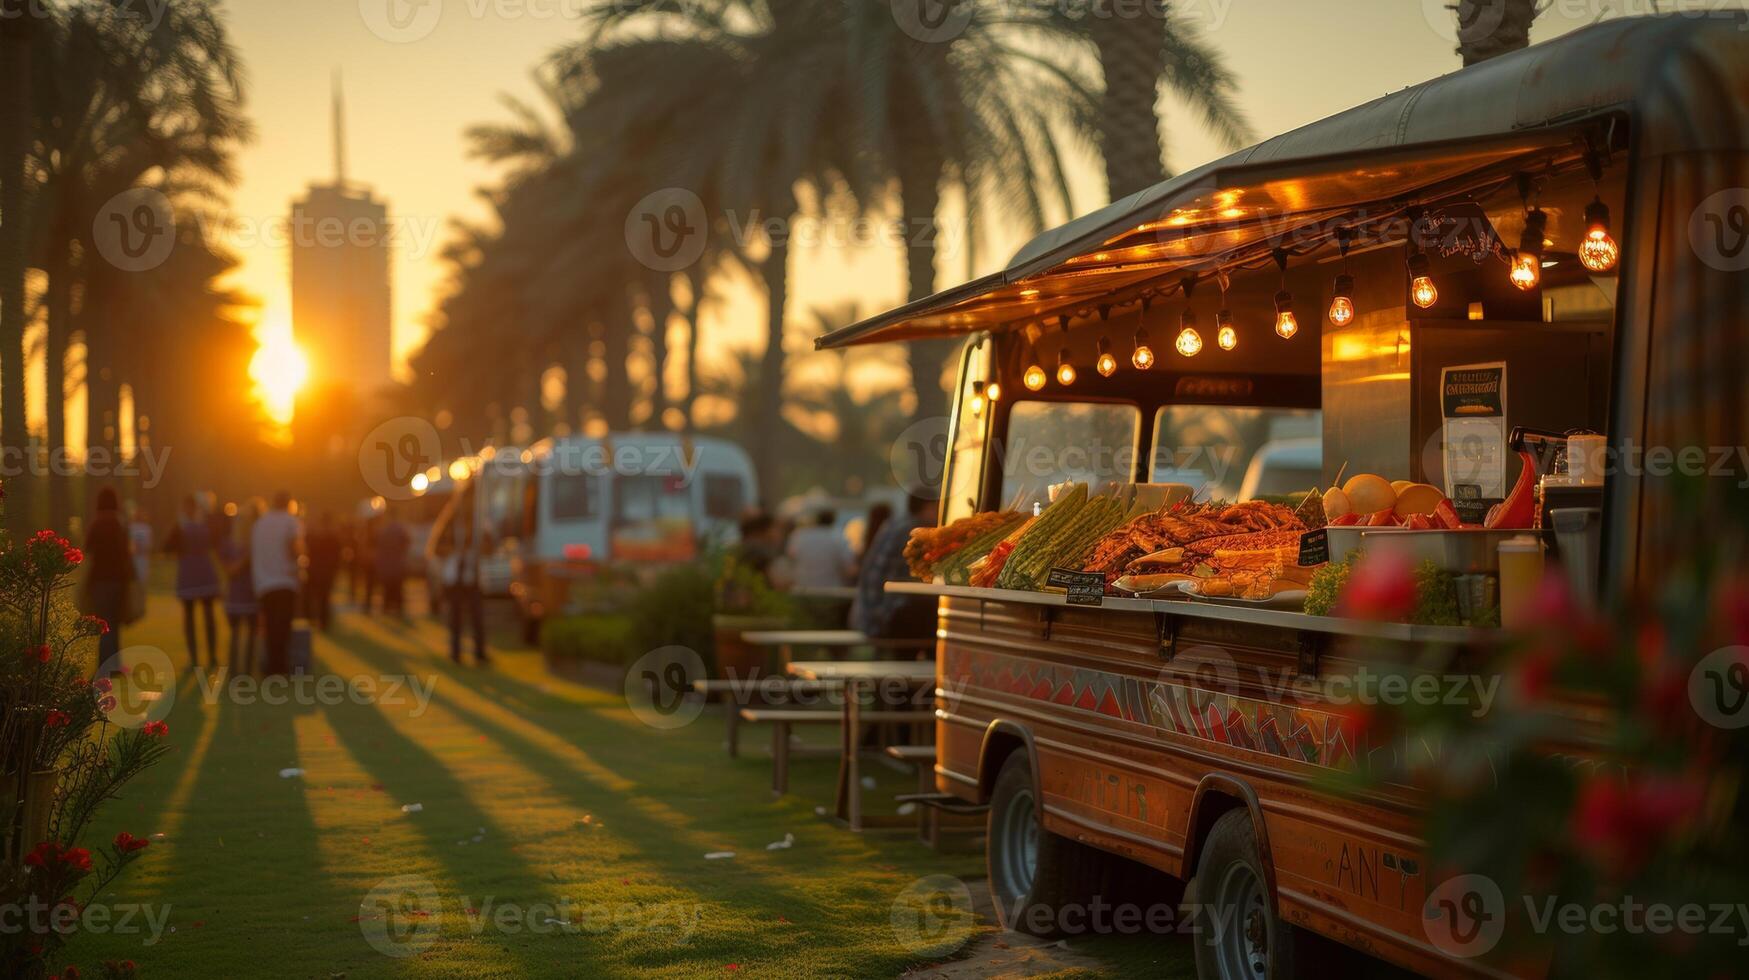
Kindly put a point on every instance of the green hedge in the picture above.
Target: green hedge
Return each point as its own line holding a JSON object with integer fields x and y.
{"x": 597, "y": 637}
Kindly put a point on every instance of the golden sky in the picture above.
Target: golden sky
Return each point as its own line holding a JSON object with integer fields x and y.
{"x": 409, "y": 101}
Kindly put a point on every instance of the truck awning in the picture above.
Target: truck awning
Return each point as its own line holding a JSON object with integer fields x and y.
{"x": 1442, "y": 138}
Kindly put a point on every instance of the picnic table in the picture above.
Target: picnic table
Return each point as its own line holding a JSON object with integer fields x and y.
{"x": 834, "y": 593}
{"x": 855, "y": 677}
{"x": 786, "y": 641}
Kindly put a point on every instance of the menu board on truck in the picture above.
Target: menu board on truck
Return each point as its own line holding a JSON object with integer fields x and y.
{"x": 1473, "y": 403}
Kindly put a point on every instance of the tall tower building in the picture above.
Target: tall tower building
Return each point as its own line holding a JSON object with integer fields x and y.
{"x": 340, "y": 277}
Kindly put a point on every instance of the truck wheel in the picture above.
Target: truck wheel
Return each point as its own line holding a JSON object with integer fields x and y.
{"x": 1239, "y": 936}
{"x": 1033, "y": 872}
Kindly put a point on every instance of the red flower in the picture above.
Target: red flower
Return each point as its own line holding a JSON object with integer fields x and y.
{"x": 42, "y": 854}
{"x": 127, "y": 843}
{"x": 1621, "y": 821}
{"x": 157, "y": 729}
{"x": 42, "y": 653}
{"x": 56, "y": 718}
{"x": 102, "y": 684}
{"x": 1382, "y": 587}
{"x": 77, "y": 857}
{"x": 107, "y": 703}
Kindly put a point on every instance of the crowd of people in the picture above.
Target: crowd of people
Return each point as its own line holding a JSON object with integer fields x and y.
{"x": 255, "y": 562}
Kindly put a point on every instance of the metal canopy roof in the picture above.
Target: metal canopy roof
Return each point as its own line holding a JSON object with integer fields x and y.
{"x": 1451, "y": 135}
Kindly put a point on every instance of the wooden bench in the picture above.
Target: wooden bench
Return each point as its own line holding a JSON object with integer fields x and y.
{"x": 923, "y": 757}
{"x": 782, "y": 719}
{"x": 762, "y": 688}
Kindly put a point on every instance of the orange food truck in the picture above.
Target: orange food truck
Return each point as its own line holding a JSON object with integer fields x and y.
{"x": 1457, "y": 314}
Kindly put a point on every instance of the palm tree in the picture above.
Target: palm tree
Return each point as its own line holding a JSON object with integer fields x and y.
{"x": 1490, "y": 28}
{"x": 17, "y": 27}
{"x": 1136, "y": 54}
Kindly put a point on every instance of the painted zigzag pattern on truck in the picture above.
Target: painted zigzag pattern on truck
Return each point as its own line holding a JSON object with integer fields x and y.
{"x": 1322, "y": 738}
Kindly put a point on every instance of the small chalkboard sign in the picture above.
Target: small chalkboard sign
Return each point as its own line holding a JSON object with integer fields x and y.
{"x": 1471, "y": 506}
{"x": 1083, "y": 588}
{"x": 1314, "y": 548}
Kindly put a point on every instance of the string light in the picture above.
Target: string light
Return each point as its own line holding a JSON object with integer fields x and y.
{"x": 1598, "y": 251}
{"x": 1065, "y": 370}
{"x": 1342, "y": 298}
{"x": 1225, "y": 335}
{"x": 978, "y": 396}
{"x": 993, "y": 391}
{"x": 1034, "y": 377}
{"x": 1421, "y": 287}
{"x": 1143, "y": 358}
{"x": 1286, "y": 324}
{"x": 1189, "y": 342}
{"x": 1106, "y": 364}
{"x": 1527, "y": 262}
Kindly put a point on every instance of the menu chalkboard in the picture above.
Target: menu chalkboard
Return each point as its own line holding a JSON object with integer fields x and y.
{"x": 1082, "y": 588}
{"x": 1314, "y": 548}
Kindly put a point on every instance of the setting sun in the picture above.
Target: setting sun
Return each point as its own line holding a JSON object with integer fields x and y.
{"x": 279, "y": 370}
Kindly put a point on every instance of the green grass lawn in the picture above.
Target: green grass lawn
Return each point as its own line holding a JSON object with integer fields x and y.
{"x": 541, "y": 796}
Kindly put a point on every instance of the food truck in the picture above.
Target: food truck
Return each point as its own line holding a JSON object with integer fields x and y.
{"x": 1483, "y": 296}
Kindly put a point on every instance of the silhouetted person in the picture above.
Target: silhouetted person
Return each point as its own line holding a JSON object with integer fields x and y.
{"x": 819, "y": 554}
{"x": 274, "y": 547}
{"x": 390, "y": 548}
{"x": 197, "y": 577}
{"x": 242, "y": 610}
{"x": 877, "y": 613}
{"x": 459, "y": 554}
{"x": 323, "y": 545}
{"x": 878, "y": 516}
{"x": 109, "y": 571}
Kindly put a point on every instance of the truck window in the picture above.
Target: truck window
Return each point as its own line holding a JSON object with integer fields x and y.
{"x": 576, "y": 497}
{"x": 1053, "y": 442}
{"x": 963, "y": 463}
{"x": 637, "y": 499}
{"x": 1213, "y": 448}
{"x": 723, "y": 497}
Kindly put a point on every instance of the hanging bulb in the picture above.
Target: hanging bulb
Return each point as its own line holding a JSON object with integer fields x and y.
{"x": 1527, "y": 262}
{"x": 1034, "y": 378}
{"x": 1286, "y": 324}
{"x": 1225, "y": 335}
{"x": 1106, "y": 365}
{"x": 1143, "y": 358}
{"x": 1421, "y": 287}
{"x": 1065, "y": 370}
{"x": 1189, "y": 342}
{"x": 1342, "y": 303}
{"x": 993, "y": 391}
{"x": 1598, "y": 251}
{"x": 978, "y": 397}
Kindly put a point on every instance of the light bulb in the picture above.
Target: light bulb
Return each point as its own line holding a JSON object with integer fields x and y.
{"x": 1421, "y": 288}
{"x": 1527, "y": 270}
{"x": 1143, "y": 358}
{"x": 1342, "y": 303}
{"x": 1065, "y": 370}
{"x": 1527, "y": 262}
{"x": 1598, "y": 251}
{"x": 1286, "y": 324}
{"x": 1106, "y": 365}
{"x": 1226, "y": 336}
{"x": 993, "y": 392}
{"x": 1034, "y": 379}
{"x": 1189, "y": 342}
{"x": 977, "y": 404}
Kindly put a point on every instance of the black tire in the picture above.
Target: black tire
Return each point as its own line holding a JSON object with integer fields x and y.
{"x": 1030, "y": 890}
{"x": 1239, "y": 936}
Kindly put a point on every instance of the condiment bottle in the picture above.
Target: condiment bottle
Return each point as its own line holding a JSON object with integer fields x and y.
{"x": 1521, "y": 574}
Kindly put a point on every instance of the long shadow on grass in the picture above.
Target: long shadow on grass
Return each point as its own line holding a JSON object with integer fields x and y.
{"x": 737, "y": 888}
{"x": 247, "y": 838}
{"x": 407, "y": 771}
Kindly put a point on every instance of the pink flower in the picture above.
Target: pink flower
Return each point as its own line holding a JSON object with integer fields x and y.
{"x": 1382, "y": 587}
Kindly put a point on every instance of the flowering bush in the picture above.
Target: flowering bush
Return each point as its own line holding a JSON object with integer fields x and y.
{"x": 1604, "y": 780}
{"x": 61, "y": 758}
